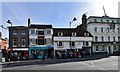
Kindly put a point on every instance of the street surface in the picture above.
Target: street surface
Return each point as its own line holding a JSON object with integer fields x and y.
{"x": 109, "y": 63}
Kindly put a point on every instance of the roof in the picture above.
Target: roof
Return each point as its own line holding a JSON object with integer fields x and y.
{"x": 103, "y": 17}
{"x": 67, "y": 31}
{"x": 17, "y": 26}
{"x": 40, "y": 26}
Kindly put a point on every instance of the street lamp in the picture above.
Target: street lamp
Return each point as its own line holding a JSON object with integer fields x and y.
{"x": 9, "y": 22}
{"x": 74, "y": 19}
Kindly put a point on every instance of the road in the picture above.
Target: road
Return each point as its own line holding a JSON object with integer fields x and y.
{"x": 109, "y": 63}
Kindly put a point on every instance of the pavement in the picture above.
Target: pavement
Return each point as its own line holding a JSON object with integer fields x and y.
{"x": 106, "y": 64}
{"x": 50, "y": 61}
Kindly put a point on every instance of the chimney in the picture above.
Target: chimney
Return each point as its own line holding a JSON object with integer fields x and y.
{"x": 84, "y": 21}
{"x": 29, "y": 22}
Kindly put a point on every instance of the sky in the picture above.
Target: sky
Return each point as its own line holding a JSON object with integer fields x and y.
{"x": 58, "y": 13}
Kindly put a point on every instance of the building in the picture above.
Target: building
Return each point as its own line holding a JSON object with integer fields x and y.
{"x": 3, "y": 46}
{"x": 40, "y": 41}
{"x": 73, "y": 39}
{"x": 106, "y": 33}
{"x": 18, "y": 41}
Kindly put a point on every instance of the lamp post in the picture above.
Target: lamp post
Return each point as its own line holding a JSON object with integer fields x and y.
{"x": 9, "y": 22}
{"x": 74, "y": 19}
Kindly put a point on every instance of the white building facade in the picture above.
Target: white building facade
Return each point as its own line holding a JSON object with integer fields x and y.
{"x": 72, "y": 40}
{"x": 40, "y": 41}
{"x": 106, "y": 34}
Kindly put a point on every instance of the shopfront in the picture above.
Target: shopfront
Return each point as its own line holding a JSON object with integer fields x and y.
{"x": 36, "y": 52}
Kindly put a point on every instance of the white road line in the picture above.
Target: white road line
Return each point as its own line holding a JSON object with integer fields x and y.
{"x": 92, "y": 66}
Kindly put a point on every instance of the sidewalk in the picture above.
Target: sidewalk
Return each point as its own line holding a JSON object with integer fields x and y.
{"x": 50, "y": 61}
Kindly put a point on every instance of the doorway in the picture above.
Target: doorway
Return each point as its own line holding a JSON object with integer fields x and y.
{"x": 109, "y": 49}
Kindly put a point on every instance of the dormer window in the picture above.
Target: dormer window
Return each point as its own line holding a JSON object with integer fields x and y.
{"x": 95, "y": 20}
{"x": 101, "y": 20}
{"x": 86, "y": 34}
{"x": 107, "y": 20}
{"x": 74, "y": 34}
{"x": 60, "y": 34}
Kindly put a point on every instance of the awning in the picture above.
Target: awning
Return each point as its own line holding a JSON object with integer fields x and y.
{"x": 50, "y": 47}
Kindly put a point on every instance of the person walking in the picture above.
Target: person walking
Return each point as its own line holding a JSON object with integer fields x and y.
{"x": 43, "y": 57}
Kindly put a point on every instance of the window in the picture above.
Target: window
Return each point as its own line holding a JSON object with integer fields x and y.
{"x": 118, "y": 30}
{"x": 119, "y": 39}
{"x": 117, "y": 21}
{"x": 95, "y": 20}
{"x": 40, "y": 32}
{"x": 101, "y": 29}
{"x": 73, "y": 43}
{"x": 112, "y": 20}
{"x": 96, "y": 48}
{"x": 60, "y": 34}
{"x": 15, "y": 42}
{"x": 108, "y": 29}
{"x": 103, "y": 48}
{"x": 113, "y": 30}
{"x": 95, "y": 29}
{"x": 109, "y": 38}
{"x": 85, "y": 43}
{"x": 48, "y": 31}
{"x": 32, "y": 41}
{"x": 60, "y": 43}
{"x": 102, "y": 38}
{"x": 14, "y": 31}
{"x": 107, "y": 20}
{"x": 113, "y": 38}
{"x": 115, "y": 48}
{"x": 23, "y": 42}
{"x": 86, "y": 34}
{"x": 32, "y": 31}
{"x": 96, "y": 38}
{"x": 101, "y": 20}
{"x": 23, "y": 31}
{"x": 73, "y": 33}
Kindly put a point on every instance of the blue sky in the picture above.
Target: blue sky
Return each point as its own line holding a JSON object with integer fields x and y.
{"x": 59, "y": 14}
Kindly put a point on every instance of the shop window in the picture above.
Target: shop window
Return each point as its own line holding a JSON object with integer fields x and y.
{"x": 97, "y": 48}
{"x": 103, "y": 48}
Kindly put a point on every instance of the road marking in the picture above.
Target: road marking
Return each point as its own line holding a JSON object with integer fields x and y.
{"x": 92, "y": 66}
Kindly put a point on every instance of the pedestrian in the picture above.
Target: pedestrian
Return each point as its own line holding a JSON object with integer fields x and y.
{"x": 43, "y": 57}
